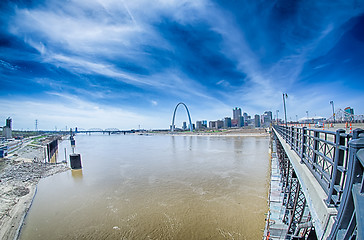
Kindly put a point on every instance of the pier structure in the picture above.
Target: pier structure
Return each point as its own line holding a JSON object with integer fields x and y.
{"x": 317, "y": 189}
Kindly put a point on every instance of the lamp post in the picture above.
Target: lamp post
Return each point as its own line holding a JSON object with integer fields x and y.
{"x": 277, "y": 116}
{"x": 307, "y": 115}
{"x": 284, "y": 104}
{"x": 333, "y": 110}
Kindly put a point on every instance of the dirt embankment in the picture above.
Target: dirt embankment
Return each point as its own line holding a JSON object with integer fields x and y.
{"x": 19, "y": 175}
{"x": 256, "y": 132}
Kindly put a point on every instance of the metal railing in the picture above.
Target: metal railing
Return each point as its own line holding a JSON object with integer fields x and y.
{"x": 336, "y": 159}
{"x": 350, "y": 218}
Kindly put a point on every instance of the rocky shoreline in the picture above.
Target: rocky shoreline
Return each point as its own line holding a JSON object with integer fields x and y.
{"x": 19, "y": 176}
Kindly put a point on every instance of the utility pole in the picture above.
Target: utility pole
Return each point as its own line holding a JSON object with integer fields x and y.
{"x": 284, "y": 104}
{"x": 333, "y": 110}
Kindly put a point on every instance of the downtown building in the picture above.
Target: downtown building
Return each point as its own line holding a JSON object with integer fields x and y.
{"x": 227, "y": 122}
{"x": 267, "y": 118}
{"x": 216, "y": 124}
{"x": 238, "y": 120}
{"x": 7, "y": 131}
{"x": 257, "y": 121}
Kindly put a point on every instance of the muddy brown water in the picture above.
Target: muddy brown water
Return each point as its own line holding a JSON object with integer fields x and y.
{"x": 155, "y": 187}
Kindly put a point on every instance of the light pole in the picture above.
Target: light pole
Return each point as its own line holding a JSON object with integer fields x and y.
{"x": 333, "y": 110}
{"x": 277, "y": 116}
{"x": 284, "y": 104}
{"x": 307, "y": 116}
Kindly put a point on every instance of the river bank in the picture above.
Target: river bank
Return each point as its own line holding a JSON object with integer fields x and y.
{"x": 19, "y": 175}
{"x": 239, "y": 132}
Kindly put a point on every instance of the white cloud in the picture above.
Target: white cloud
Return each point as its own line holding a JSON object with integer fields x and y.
{"x": 73, "y": 112}
{"x": 88, "y": 37}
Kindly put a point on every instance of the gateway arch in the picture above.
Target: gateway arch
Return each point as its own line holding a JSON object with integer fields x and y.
{"x": 188, "y": 113}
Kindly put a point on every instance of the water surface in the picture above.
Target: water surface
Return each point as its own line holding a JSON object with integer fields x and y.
{"x": 156, "y": 187}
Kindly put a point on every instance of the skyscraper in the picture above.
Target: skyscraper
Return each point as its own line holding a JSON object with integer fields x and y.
{"x": 257, "y": 120}
{"x": 236, "y": 113}
{"x": 241, "y": 122}
{"x": 227, "y": 122}
{"x": 269, "y": 114}
{"x": 199, "y": 125}
{"x": 7, "y": 131}
{"x": 267, "y": 118}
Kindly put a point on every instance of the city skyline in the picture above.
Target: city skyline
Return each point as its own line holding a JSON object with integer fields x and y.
{"x": 124, "y": 64}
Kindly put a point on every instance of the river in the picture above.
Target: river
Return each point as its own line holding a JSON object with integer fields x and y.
{"x": 155, "y": 187}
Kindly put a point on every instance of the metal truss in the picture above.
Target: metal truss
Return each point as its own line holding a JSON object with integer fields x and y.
{"x": 298, "y": 209}
{"x": 294, "y": 200}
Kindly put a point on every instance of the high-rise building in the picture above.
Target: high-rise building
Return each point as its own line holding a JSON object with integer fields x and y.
{"x": 267, "y": 118}
{"x": 241, "y": 122}
{"x": 212, "y": 124}
{"x": 219, "y": 124}
{"x": 245, "y": 115}
{"x": 227, "y": 122}
{"x": 199, "y": 125}
{"x": 204, "y": 123}
{"x": 234, "y": 122}
{"x": 257, "y": 120}
{"x": 246, "y": 119}
{"x": 8, "y": 122}
{"x": 184, "y": 126}
{"x": 236, "y": 113}
{"x": 269, "y": 114}
{"x": 7, "y": 132}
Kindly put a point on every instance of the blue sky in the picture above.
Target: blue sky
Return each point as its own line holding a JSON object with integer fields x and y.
{"x": 122, "y": 64}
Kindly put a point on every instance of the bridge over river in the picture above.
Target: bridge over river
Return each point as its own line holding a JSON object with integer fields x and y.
{"x": 320, "y": 181}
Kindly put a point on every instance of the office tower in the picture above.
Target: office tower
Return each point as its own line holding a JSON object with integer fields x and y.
{"x": 236, "y": 113}
{"x": 257, "y": 120}
{"x": 227, "y": 122}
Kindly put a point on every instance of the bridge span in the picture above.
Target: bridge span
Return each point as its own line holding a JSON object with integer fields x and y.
{"x": 321, "y": 184}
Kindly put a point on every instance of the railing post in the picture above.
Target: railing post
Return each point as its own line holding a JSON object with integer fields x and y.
{"x": 292, "y": 136}
{"x": 297, "y": 140}
{"x": 337, "y": 172}
{"x": 316, "y": 135}
{"x": 346, "y": 209}
{"x": 285, "y": 133}
{"x": 304, "y": 139}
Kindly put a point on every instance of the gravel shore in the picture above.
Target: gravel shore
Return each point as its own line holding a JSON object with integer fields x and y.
{"x": 19, "y": 175}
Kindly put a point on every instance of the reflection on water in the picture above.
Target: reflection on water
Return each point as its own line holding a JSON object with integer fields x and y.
{"x": 77, "y": 174}
{"x": 156, "y": 187}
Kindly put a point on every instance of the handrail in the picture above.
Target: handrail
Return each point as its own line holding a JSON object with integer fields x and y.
{"x": 325, "y": 153}
{"x": 359, "y": 199}
{"x": 336, "y": 159}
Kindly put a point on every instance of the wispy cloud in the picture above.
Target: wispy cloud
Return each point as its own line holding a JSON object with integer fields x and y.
{"x": 214, "y": 55}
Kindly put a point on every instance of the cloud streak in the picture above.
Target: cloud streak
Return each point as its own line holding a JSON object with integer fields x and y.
{"x": 213, "y": 55}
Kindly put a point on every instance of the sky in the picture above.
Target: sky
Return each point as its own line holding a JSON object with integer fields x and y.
{"x": 127, "y": 64}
